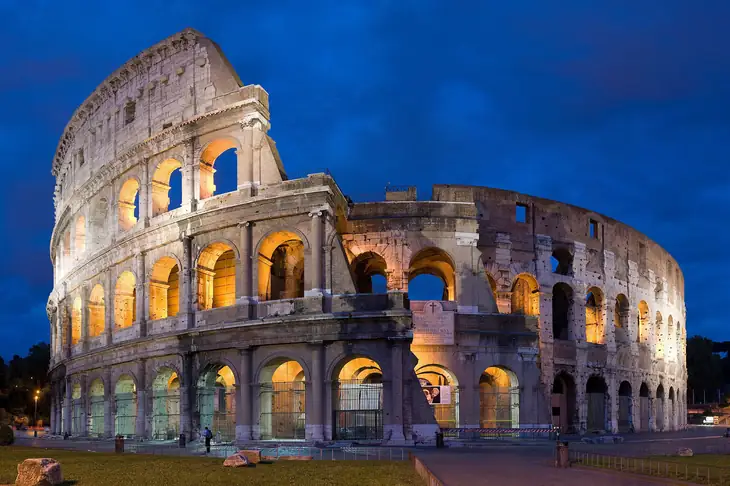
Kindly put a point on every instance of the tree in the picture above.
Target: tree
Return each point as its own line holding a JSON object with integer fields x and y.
{"x": 704, "y": 368}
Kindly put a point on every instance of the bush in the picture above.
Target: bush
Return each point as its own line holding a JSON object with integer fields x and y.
{"x": 6, "y": 435}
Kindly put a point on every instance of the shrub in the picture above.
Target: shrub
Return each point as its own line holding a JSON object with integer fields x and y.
{"x": 6, "y": 435}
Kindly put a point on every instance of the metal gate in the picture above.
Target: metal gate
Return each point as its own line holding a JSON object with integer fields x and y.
{"x": 447, "y": 415}
{"x": 125, "y": 414}
{"x": 624, "y": 413}
{"x": 644, "y": 413}
{"x": 96, "y": 425}
{"x": 76, "y": 417}
{"x": 216, "y": 406}
{"x": 165, "y": 414}
{"x": 499, "y": 407}
{"x": 282, "y": 410}
{"x": 358, "y": 410}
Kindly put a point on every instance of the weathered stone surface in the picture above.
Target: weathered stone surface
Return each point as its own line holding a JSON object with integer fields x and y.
{"x": 253, "y": 456}
{"x": 685, "y": 452}
{"x": 39, "y": 472}
{"x": 236, "y": 460}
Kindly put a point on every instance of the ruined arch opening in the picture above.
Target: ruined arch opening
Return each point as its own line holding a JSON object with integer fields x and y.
{"x": 125, "y": 301}
{"x": 358, "y": 400}
{"x": 594, "y": 316}
{"x": 562, "y": 310}
{"x": 80, "y": 236}
{"x": 431, "y": 276}
{"x": 561, "y": 261}
{"x": 164, "y": 288}
{"x": 128, "y": 206}
{"x": 166, "y": 187}
{"x": 125, "y": 406}
{"x": 281, "y": 266}
{"x": 217, "y": 401}
{"x": 96, "y": 408}
{"x": 659, "y": 336}
{"x": 441, "y": 389}
{"x": 644, "y": 407}
{"x": 216, "y": 272}
{"x": 76, "y": 321}
{"x": 660, "y": 408}
{"x": 596, "y": 397}
{"x": 369, "y": 271}
{"x": 625, "y": 407}
{"x": 672, "y": 410}
{"x": 563, "y": 402}
{"x": 77, "y": 410}
{"x": 643, "y": 323}
{"x": 96, "y": 311}
{"x": 282, "y": 400}
{"x": 526, "y": 296}
{"x": 218, "y": 168}
{"x": 499, "y": 398}
{"x": 166, "y": 405}
{"x": 621, "y": 320}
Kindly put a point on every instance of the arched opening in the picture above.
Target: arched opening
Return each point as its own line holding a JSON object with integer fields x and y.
{"x": 218, "y": 168}
{"x": 77, "y": 410}
{"x": 365, "y": 268}
{"x": 216, "y": 272}
{"x": 282, "y": 400}
{"x": 562, "y": 310}
{"x": 164, "y": 196}
{"x": 625, "y": 407}
{"x": 526, "y": 296}
{"x": 660, "y": 407}
{"x": 96, "y": 406}
{"x": 125, "y": 406}
{"x": 164, "y": 288}
{"x": 66, "y": 260}
{"x": 563, "y": 402}
{"x": 358, "y": 400}
{"x": 125, "y": 293}
{"x": 680, "y": 343}
{"x": 441, "y": 389}
{"x": 643, "y": 335}
{"x": 166, "y": 405}
{"x": 561, "y": 261}
{"x": 644, "y": 407}
{"x": 440, "y": 267}
{"x": 672, "y": 410}
{"x": 80, "y": 236}
{"x": 128, "y": 210}
{"x": 96, "y": 311}
{"x": 281, "y": 266}
{"x": 594, "y": 316}
{"x": 659, "y": 336}
{"x": 76, "y": 321}
{"x": 621, "y": 320}
{"x": 217, "y": 402}
{"x": 499, "y": 399}
{"x": 596, "y": 396}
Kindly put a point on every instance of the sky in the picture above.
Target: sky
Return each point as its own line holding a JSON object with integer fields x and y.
{"x": 619, "y": 106}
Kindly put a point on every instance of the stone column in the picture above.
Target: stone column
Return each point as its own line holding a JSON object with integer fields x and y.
{"x": 112, "y": 214}
{"x": 393, "y": 425}
{"x": 189, "y": 196}
{"x": 246, "y": 279}
{"x": 139, "y": 426}
{"x": 53, "y": 408}
{"x": 186, "y": 275}
{"x": 469, "y": 396}
{"x": 108, "y": 308}
{"x": 316, "y": 268}
{"x": 108, "y": 397}
{"x": 84, "y": 338}
{"x": 613, "y": 403}
{"x": 83, "y": 426}
{"x": 67, "y": 323}
{"x": 577, "y": 331}
{"x": 67, "y": 403}
{"x": 243, "y": 407}
{"x": 609, "y": 328}
{"x": 141, "y": 308}
{"x": 144, "y": 195}
{"x": 315, "y": 425}
{"x": 186, "y": 405}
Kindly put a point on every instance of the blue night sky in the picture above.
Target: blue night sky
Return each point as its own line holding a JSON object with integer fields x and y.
{"x": 619, "y": 106}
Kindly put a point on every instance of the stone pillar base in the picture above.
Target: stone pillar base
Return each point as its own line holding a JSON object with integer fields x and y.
{"x": 425, "y": 433}
{"x": 243, "y": 433}
{"x": 314, "y": 432}
{"x": 393, "y": 434}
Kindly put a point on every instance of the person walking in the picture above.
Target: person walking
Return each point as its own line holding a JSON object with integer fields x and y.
{"x": 208, "y": 435}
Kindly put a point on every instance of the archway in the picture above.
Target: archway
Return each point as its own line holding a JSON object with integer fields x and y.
{"x": 96, "y": 406}
{"x": 125, "y": 301}
{"x": 672, "y": 410}
{"x": 358, "y": 400}
{"x": 125, "y": 406}
{"x": 368, "y": 270}
{"x": 438, "y": 264}
{"x": 80, "y": 236}
{"x": 660, "y": 407}
{"x": 76, "y": 321}
{"x": 442, "y": 393}
{"x": 164, "y": 289}
{"x": 625, "y": 407}
{"x": 594, "y": 316}
{"x": 282, "y": 400}
{"x": 218, "y": 156}
{"x": 562, "y": 310}
{"x": 281, "y": 266}
{"x": 526, "y": 295}
{"x": 216, "y": 272}
{"x": 128, "y": 208}
{"x": 621, "y": 320}
{"x": 596, "y": 396}
{"x": 643, "y": 334}
{"x": 217, "y": 401}
{"x": 561, "y": 261}
{"x": 499, "y": 398}
{"x": 166, "y": 405}
{"x": 162, "y": 182}
{"x": 644, "y": 408}
{"x": 77, "y": 410}
{"x": 563, "y": 402}
{"x": 96, "y": 311}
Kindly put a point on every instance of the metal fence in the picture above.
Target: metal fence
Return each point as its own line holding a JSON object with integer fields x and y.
{"x": 668, "y": 469}
{"x": 358, "y": 413}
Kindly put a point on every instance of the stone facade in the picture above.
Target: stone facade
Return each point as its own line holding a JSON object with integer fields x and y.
{"x": 253, "y": 311}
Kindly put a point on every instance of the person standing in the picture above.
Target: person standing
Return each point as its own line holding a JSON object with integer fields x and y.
{"x": 207, "y": 434}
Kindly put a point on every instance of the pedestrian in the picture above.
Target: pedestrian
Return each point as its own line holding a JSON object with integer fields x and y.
{"x": 208, "y": 435}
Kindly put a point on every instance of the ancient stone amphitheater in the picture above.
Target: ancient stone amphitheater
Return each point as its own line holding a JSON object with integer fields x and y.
{"x": 280, "y": 310}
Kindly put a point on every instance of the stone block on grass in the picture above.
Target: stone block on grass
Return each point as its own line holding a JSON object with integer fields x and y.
{"x": 39, "y": 472}
{"x": 236, "y": 460}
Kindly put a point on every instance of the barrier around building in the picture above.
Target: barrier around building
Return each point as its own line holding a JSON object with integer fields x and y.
{"x": 500, "y": 433}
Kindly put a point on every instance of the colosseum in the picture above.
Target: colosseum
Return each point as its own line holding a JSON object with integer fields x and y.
{"x": 278, "y": 309}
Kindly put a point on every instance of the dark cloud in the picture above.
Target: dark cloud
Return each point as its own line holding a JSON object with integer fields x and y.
{"x": 615, "y": 106}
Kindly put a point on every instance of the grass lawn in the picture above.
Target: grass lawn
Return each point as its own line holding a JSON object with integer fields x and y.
{"x": 84, "y": 468}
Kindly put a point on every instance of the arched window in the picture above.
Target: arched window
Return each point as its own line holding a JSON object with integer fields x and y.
{"x": 76, "y": 321}
{"x": 435, "y": 263}
{"x": 281, "y": 266}
{"x": 216, "y": 277}
{"x": 96, "y": 311}
{"x": 643, "y": 335}
{"x": 358, "y": 399}
{"x": 218, "y": 168}
{"x": 562, "y": 310}
{"x": 164, "y": 288}
{"x": 282, "y": 400}
{"x": 561, "y": 261}
{"x": 366, "y": 268}
{"x": 128, "y": 204}
{"x": 621, "y": 319}
{"x": 499, "y": 398}
{"x": 162, "y": 190}
{"x": 594, "y": 316}
{"x": 80, "y": 236}
{"x": 526, "y": 295}
{"x": 125, "y": 293}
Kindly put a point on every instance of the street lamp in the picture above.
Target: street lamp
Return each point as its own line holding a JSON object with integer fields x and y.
{"x": 35, "y": 413}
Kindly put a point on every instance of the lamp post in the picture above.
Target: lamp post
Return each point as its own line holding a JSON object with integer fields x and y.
{"x": 35, "y": 414}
